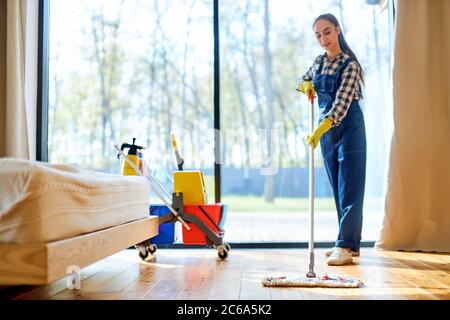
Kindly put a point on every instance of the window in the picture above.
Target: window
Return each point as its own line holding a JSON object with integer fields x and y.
{"x": 123, "y": 69}
{"x": 265, "y": 47}
{"x": 131, "y": 69}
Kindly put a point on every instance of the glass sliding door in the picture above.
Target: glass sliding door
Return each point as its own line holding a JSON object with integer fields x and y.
{"x": 266, "y": 46}
{"x": 132, "y": 69}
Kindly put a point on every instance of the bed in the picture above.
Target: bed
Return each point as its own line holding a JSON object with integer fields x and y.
{"x": 55, "y": 218}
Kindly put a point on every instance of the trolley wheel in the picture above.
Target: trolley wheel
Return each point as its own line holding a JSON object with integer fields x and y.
{"x": 222, "y": 253}
{"x": 228, "y": 247}
{"x": 143, "y": 256}
{"x": 152, "y": 248}
{"x": 146, "y": 250}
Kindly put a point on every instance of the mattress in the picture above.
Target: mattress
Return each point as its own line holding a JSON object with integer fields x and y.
{"x": 42, "y": 202}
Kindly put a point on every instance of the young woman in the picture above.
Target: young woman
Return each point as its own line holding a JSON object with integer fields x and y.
{"x": 336, "y": 76}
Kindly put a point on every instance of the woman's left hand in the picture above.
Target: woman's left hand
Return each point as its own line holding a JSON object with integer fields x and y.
{"x": 323, "y": 127}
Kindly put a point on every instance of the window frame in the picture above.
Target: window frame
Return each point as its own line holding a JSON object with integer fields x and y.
{"x": 42, "y": 83}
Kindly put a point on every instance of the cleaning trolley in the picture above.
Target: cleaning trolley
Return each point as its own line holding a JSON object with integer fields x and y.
{"x": 202, "y": 223}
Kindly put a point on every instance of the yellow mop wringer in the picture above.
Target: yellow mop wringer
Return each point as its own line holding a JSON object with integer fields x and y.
{"x": 310, "y": 279}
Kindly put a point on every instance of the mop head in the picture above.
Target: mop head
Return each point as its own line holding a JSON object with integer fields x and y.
{"x": 323, "y": 281}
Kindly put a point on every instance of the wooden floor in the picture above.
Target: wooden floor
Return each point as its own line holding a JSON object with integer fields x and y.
{"x": 198, "y": 274}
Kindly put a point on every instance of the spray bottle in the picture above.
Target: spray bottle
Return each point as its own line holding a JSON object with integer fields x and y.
{"x": 135, "y": 155}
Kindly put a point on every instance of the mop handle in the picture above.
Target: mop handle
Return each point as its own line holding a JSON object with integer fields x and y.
{"x": 139, "y": 172}
{"x": 311, "y": 194}
{"x": 158, "y": 184}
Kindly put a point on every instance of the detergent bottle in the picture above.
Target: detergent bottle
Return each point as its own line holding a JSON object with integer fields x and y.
{"x": 135, "y": 155}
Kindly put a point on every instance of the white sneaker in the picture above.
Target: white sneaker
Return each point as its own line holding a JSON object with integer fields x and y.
{"x": 339, "y": 257}
{"x": 329, "y": 252}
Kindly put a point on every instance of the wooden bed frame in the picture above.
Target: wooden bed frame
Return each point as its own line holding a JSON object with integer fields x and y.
{"x": 43, "y": 263}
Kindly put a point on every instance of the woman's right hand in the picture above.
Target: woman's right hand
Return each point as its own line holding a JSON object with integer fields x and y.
{"x": 307, "y": 88}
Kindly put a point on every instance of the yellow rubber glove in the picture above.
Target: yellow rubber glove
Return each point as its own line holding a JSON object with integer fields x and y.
{"x": 307, "y": 88}
{"x": 323, "y": 127}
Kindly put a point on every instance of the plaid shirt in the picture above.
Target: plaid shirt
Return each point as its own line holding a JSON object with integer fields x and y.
{"x": 349, "y": 89}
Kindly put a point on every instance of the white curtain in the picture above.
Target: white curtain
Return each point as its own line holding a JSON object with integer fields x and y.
{"x": 21, "y": 79}
{"x": 2, "y": 75}
{"x": 417, "y": 216}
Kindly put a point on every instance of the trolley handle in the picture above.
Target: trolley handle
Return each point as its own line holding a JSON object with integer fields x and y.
{"x": 210, "y": 219}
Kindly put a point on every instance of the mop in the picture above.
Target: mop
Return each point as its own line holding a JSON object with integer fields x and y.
{"x": 311, "y": 280}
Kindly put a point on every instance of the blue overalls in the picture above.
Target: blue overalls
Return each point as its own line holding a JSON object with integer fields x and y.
{"x": 344, "y": 153}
